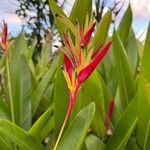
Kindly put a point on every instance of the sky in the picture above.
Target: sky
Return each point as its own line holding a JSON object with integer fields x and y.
{"x": 141, "y": 15}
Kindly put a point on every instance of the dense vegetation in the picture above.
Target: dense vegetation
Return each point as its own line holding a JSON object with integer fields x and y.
{"x": 111, "y": 109}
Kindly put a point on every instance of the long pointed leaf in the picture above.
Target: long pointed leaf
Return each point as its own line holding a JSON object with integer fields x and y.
{"x": 38, "y": 93}
{"x": 125, "y": 76}
{"x": 41, "y": 123}
{"x": 125, "y": 25}
{"x": 145, "y": 62}
{"x": 19, "y": 136}
{"x": 61, "y": 100}
{"x": 21, "y": 88}
{"x": 80, "y": 10}
{"x": 143, "y": 111}
{"x": 124, "y": 128}
{"x": 57, "y": 10}
{"x": 102, "y": 31}
{"x": 4, "y": 145}
{"x": 74, "y": 135}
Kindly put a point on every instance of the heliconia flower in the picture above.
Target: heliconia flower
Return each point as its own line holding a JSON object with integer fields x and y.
{"x": 4, "y": 38}
{"x": 79, "y": 60}
{"x": 78, "y": 65}
{"x": 75, "y": 79}
{"x": 109, "y": 114}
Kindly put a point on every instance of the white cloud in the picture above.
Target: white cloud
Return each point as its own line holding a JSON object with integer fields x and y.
{"x": 7, "y": 11}
{"x": 11, "y": 19}
{"x": 141, "y": 8}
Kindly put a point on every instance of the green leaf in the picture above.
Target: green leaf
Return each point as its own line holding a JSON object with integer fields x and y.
{"x": 80, "y": 10}
{"x": 107, "y": 70}
{"x": 20, "y": 47}
{"x": 39, "y": 91}
{"x": 21, "y": 88}
{"x": 125, "y": 76}
{"x": 44, "y": 59}
{"x": 4, "y": 109}
{"x": 30, "y": 52}
{"x": 41, "y": 124}
{"x": 143, "y": 111}
{"x": 102, "y": 31}
{"x": 19, "y": 136}
{"x": 61, "y": 100}
{"x": 94, "y": 143}
{"x": 57, "y": 10}
{"x": 107, "y": 100}
{"x": 145, "y": 62}
{"x": 125, "y": 26}
{"x": 140, "y": 48}
{"x": 67, "y": 23}
{"x": 132, "y": 144}
{"x": 92, "y": 91}
{"x": 147, "y": 141}
{"x": 132, "y": 51}
{"x": 75, "y": 134}
{"x": 4, "y": 145}
{"x": 125, "y": 128}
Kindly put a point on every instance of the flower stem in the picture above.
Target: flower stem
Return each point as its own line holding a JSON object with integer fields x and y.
{"x": 64, "y": 123}
{"x": 10, "y": 90}
{"x": 72, "y": 98}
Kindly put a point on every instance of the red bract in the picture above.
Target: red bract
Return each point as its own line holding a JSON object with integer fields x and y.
{"x": 109, "y": 114}
{"x": 86, "y": 38}
{"x": 4, "y": 33}
{"x": 86, "y": 72}
{"x": 68, "y": 66}
{"x": 4, "y": 39}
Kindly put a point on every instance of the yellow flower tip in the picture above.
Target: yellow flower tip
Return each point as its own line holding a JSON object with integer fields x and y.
{"x": 71, "y": 83}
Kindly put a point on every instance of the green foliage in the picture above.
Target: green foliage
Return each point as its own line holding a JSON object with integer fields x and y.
{"x": 102, "y": 31}
{"x": 42, "y": 126}
{"x": 79, "y": 12}
{"x": 79, "y": 126}
{"x": 57, "y": 10}
{"x": 143, "y": 110}
{"x": 125, "y": 76}
{"x": 3, "y": 144}
{"x": 125, "y": 25}
{"x": 145, "y": 58}
{"x": 17, "y": 135}
{"x": 125, "y": 127}
{"x": 94, "y": 143}
{"x": 39, "y": 92}
{"x": 61, "y": 100}
{"x": 88, "y": 94}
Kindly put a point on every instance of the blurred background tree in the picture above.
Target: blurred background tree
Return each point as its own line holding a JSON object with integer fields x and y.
{"x": 38, "y": 21}
{"x": 102, "y": 5}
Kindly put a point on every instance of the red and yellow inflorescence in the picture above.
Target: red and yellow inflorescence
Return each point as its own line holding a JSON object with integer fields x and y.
{"x": 80, "y": 58}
